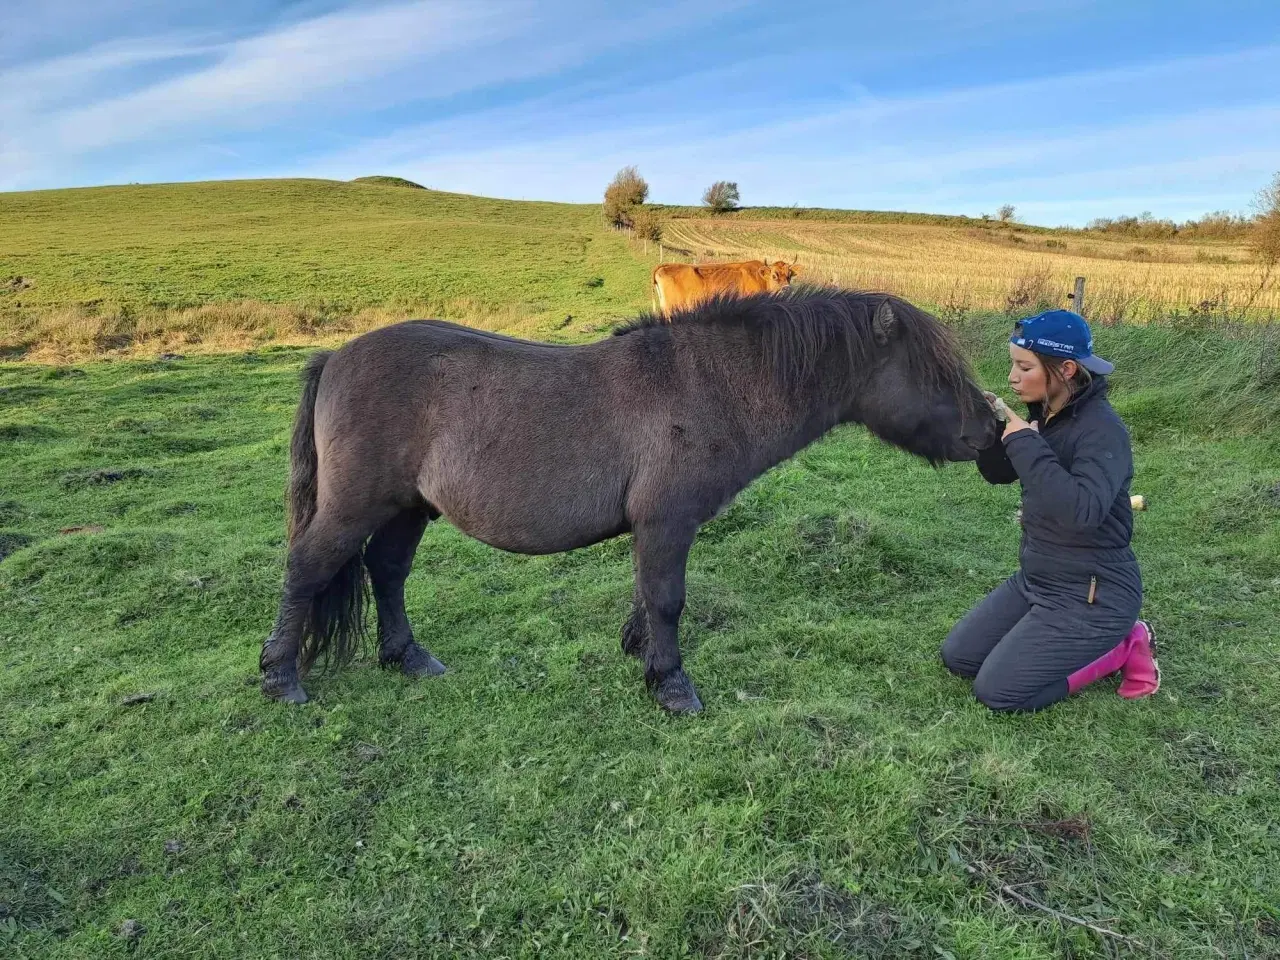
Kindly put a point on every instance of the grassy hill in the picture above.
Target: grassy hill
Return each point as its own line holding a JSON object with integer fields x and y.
{"x": 234, "y": 262}
{"x": 380, "y": 181}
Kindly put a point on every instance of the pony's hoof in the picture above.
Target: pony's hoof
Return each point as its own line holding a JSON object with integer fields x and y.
{"x": 286, "y": 692}
{"x": 677, "y": 694}
{"x": 417, "y": 663}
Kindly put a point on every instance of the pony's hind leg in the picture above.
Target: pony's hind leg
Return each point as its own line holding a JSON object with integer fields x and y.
{"x": 323, "y": 592}
{"x": 388, "y": 558}
{"x": 661, "y": 553}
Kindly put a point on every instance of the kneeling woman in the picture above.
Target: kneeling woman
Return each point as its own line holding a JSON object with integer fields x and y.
{"x": 1069, "y": 616}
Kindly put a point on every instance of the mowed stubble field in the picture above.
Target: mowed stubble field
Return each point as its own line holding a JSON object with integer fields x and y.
{"x": 534, "y": 801}
{"x": 983, "y": 266}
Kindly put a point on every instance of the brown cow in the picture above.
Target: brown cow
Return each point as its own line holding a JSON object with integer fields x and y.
{"x": 680, "y": 285}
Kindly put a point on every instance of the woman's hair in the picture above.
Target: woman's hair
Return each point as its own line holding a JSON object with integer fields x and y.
{"x": 1053, "y": 368}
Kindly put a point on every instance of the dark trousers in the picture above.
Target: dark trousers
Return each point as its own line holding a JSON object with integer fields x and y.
{"x": 1022, "y": 642}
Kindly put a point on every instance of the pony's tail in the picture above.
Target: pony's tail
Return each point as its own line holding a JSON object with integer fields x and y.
{"x": 335, "y": 625}
{"x": 303, "y": 462}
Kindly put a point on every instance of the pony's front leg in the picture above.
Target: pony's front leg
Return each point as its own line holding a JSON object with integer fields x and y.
{"x": 661, "y": 553}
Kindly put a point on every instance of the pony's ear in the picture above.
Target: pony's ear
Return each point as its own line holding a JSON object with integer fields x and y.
{"x": 884, "y": 323}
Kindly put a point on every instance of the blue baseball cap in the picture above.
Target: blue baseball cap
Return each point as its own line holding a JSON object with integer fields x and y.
{"x": 1060, "y": 333}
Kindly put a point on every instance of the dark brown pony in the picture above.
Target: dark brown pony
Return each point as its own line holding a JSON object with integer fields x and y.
{"x": 536, "y": 449}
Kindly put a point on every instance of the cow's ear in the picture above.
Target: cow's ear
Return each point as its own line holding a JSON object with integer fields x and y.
{"x": 795, "y": 271}
{"x": 884, "y": 323}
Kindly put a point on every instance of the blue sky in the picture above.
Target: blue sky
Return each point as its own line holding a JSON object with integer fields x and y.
{"x": 1069, "y": 109}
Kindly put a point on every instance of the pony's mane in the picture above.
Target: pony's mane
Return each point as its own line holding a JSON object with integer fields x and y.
{"x": 799, "y": 324}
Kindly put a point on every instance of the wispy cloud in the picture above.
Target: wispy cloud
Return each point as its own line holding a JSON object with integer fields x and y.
{"x": 299, "y": 64}
{"x": 46, "y": 83}
{"x": 970, "y": 147}
{"x": 349, "y": 61}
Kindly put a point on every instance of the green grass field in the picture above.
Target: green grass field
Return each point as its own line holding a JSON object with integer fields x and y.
{"x": 236, "y": 263}
{"x": 534, "y": 801}
{"x": 842, "y": 796}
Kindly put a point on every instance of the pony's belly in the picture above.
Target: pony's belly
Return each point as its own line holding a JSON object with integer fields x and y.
{"x": 526, "y": 493}
{"x": 538, "y": 542}
{"x": 519, "y": 521}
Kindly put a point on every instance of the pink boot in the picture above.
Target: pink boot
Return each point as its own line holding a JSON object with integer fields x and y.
{"x": 1141, "y": 672}
{"x": 1104, "y": 666}
{"x": 1132, "y": 657}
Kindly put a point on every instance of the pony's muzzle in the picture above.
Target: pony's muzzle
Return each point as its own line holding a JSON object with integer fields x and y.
{"x": 981, "y": 434}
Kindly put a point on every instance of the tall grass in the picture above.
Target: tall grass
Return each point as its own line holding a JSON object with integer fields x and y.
{"x": 1210, "y": 379}
{"x": 66, "y": 334}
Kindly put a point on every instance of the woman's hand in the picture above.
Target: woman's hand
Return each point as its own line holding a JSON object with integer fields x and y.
{"x": 1012, "y": 422}
{"x": 1015, "y": 424}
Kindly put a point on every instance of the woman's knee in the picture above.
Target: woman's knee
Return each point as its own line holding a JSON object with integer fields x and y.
{"x": 1008, "y": 697}
{"x": 954, "y": 657}
{"x": 998, "y": 697}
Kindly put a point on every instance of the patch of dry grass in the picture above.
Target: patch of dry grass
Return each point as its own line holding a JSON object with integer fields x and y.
{"x": 79, "y": 332}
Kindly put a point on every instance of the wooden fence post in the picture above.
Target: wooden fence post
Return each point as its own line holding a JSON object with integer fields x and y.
{"x": 1077, "y": 297}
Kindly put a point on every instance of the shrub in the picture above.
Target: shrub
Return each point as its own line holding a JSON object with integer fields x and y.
{"x": 625, "y": 193}
{"x": 1005, "y": 214}
{"x": 1030, "y": 293}
{"x": 1220, "y": 223}
{"x": 1203, "y": 256}
{"x": 646, "y": 224}
{"x": 1264, "y": 239}
{"x": 721, "y": 197}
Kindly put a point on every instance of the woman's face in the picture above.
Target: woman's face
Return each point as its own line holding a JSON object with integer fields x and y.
{"x": 1027, "y": 375}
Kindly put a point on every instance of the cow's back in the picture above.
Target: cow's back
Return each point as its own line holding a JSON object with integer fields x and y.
{"x": 741, "y": 278}
{"x": 678, "y": 285}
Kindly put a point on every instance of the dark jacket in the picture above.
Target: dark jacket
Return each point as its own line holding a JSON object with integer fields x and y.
{"x": 1075, "y": 475}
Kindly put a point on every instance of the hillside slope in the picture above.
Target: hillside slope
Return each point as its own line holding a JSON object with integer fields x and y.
{"x": 126, "y": 255}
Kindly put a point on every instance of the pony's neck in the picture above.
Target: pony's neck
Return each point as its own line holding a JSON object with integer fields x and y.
{"x": 776, "y": 416}
{"x": 804, "y": 412}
